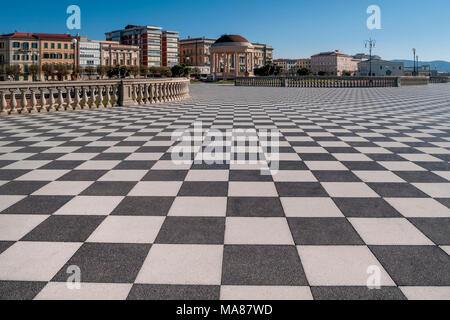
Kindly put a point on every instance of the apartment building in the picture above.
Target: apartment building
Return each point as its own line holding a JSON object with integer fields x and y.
{"x": 89, "y": 53}
{"x": 292, "y": 65}
{"x": 333, "y": 63}
{"x": 380, "y": 68}
{"x": 169, "y": 48}
{"x": 150, "y": 41}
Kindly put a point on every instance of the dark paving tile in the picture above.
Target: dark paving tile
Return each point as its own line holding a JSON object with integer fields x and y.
{"x": 435, "y": 166}
{"x": 366, "y": 208}
{"x": 204, "y": 189}
{"x": 436, "y": 229}
{"x": 38, "y": 205}
{"x": 7, "y": 175}
{"x": 21, "y": 187}
{"x": 300, "y": 189}
{"x": 357, "y": 293}
{"x": 363, "y": 166}
{"x": 65, "y": 229}
{"x": 336, "y": 176}
{"x": 107, "y": 263}
{"x": 207, "y": 166}
{"x": 20, "y": 290}
{"x": 189, "y": 230}
{"x": 144, "y": 206}
{"x": 248, "y": 175}
{"x": 292, "y": 165}
{"x": 397, "y": 190}
{"x": 4, "y": 163}
{"x": 445, "y": 202}
{"x": 323, "y": 231}
{"x": 317, "y": 157}
{"x": 83, "y": 175}
{"x": 254, "y": 207}
{"x": 135, "y": 165}
{"x": 111, "y": 156}
{"x": 419, "y": 176}
{"x": 4, "y": 245}
{"x": 104, "y": 188}
{"x": 61, "y": 165}
{"x": 174, "y": 292}
{"x": 262, "y": 265}
{"x": 45, "y": 156}
{"x": 415, "y": 265}
{"x": 165, "y": 175}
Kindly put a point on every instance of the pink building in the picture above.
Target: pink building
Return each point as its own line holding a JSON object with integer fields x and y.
{"x": 334, "y": 63}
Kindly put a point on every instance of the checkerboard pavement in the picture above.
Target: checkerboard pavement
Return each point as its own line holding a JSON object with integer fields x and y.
{"x": 364, "y": 181}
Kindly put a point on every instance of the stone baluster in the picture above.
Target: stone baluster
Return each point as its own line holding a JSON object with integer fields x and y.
{"x": 146, "y": 95}
{"x": 60, "y": 106}
{"x": 151, "y": 98}
{"x": 108, "y": 97}
{"x": 69, "y": 99}
{"x": 52, "y": 101}
{"x": 23, "y": 101}
{"x": 43, "y": 107}
{"x": 85, "y": 100}
{"x": 93, "y": 100}
{"x": 34, "y": 102}
{"x": 139, "y": 94}
{"x": 133, "y": 94}
{"x": 3, "y": 103}
{"x": 101, "y": 97}
{"x": 114, "y": 96}
{"x": 13, "y": 102}
{"x": 157, "y": 98}
{"x": 76, "y": 92}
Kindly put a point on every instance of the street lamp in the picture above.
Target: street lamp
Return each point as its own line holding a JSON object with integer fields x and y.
{"x": 414, "y": 61}
{"x": 417, "y": 65}
{"x": 75, "y": 51}
{"x": 370, "y": 44}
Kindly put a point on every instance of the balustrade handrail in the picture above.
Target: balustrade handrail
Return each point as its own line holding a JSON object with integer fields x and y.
{"x": 75, "y": 95}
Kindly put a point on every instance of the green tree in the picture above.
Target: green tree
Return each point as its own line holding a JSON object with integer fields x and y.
{"x": 124, "y": 72}
{"x": 102, "y": 71}
{"x": 48, "y": 70}
{"x": 304, "y": 72}
{"x": 143, "y": 71}
{"x": 268, "y": 70}
{"x": 13, "y": 71}
{"x": 33, "y": 70}
{"x": 90, "y": 71}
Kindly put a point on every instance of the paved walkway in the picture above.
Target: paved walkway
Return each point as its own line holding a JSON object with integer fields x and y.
{"x": 362, "y": 196}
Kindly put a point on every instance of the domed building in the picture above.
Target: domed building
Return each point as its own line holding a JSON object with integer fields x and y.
{"x": 232, "y": 56}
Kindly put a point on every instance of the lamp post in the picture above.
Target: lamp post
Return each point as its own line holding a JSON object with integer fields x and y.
{"x": 75, "y": 55}
{"x": 370, "y": 44}
{"x": 417, "y": 65}
{"x": 414, "y": 61}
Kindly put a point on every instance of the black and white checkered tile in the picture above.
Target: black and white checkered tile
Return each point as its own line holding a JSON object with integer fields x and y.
{"x": 364, "y": 183}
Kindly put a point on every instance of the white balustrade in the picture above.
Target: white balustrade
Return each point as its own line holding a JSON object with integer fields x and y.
{"x": 40, "y": 97}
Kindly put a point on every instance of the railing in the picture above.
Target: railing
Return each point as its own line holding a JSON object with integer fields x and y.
{"x": 330, "y": 82}
{"x": 22, "y": 98}
{"x": 439, "y": 79}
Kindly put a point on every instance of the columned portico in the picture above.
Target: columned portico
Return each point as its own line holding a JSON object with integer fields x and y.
{"x": 226, "y": 56}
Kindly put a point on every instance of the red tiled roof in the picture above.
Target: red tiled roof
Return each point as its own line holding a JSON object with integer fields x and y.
{"x": 37, "y": 36}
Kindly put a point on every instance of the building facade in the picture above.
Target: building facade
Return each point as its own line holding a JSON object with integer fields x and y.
{"x": 196, "y": 51}
{"x": 292, "y": 65}
{"x": 169, "y": 48}
{"x": 113, "y": 54}
{"x": 380, "y": 68}
{"x": 38, "y": 49}
{"x": 89, "y": 53}
{"x": 263, "y": 54}
{"x": 150, "y": 40}
{"x": 333, "y": 63}
{"x": 19, "y": 49}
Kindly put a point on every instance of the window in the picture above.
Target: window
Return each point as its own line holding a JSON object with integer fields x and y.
{"x": 25, "y": 45}
{"x": 53, "y": 46}
{"x": 66, "y": 55}
{"x": 46, "y": 56}
{"x": 2, "y": 58}
{"x": 16, "y": 45}
{"x": 34, "y": 45}
{"x": 66, "y": 46}
{"x": 59, "y": 45}
{"x": 25, "y": 57}
{"x": 16, "y": 57}
{"x": 34, "y": 57}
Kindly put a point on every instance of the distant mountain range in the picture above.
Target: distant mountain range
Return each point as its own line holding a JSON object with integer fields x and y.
{"x": 439, "y": 65}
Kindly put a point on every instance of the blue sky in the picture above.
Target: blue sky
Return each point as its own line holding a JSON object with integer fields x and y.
{"x": 295, "y": 28}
